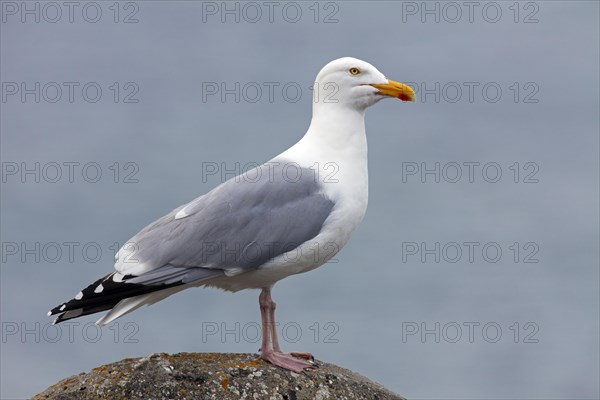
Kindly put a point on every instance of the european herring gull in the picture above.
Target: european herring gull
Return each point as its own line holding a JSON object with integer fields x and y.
{"x": 287, "y": 216}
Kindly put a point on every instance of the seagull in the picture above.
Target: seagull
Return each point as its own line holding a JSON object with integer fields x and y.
{"x": 287, "y": 216}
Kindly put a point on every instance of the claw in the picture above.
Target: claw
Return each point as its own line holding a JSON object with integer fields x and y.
{"x": 306, "y": 356}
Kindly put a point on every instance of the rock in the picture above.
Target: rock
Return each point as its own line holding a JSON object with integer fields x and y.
{"x": 207, "y": 376}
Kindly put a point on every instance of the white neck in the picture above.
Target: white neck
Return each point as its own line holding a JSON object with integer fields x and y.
{"x": 337, "y": 127}
{"x": 336, "y": 144}
{"x": 335, "y": 133}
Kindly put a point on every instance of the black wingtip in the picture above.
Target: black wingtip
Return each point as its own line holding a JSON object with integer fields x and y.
{"x": 91, "y": 300}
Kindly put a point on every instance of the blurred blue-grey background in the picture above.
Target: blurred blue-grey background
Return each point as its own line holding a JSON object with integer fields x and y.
{"x": 503, "y": 87}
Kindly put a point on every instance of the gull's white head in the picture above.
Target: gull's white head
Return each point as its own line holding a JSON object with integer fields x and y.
{"x": 350, "y": 82}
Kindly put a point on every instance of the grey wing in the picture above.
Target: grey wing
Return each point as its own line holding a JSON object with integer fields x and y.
{"x": 235, "y": 228}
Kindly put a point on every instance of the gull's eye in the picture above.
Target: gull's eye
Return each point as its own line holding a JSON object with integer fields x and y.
{"x": 354, "y": 71}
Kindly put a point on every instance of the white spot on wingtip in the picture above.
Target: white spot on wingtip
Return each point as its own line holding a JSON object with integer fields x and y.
{"x": 63, "y": 307}
{"x": 79, "y": 296}
{"x": 99, "y": 289}
{"x": 50, "y": 313}
{"x": 181, "y": 214}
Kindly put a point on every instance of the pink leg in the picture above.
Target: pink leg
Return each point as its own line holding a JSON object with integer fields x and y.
{"x": 272, "y": 327}
{"x": 273, "y": 331}
{"x": 270, "y": 350}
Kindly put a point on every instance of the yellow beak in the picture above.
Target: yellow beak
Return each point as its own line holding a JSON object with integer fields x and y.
{"x": 396, "y": 89}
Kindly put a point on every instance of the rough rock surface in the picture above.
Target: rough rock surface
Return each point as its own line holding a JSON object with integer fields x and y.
{"x": 207, "y": 376}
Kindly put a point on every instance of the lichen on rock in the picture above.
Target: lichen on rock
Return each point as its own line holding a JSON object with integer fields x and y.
{"x": 208, "y": 376}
